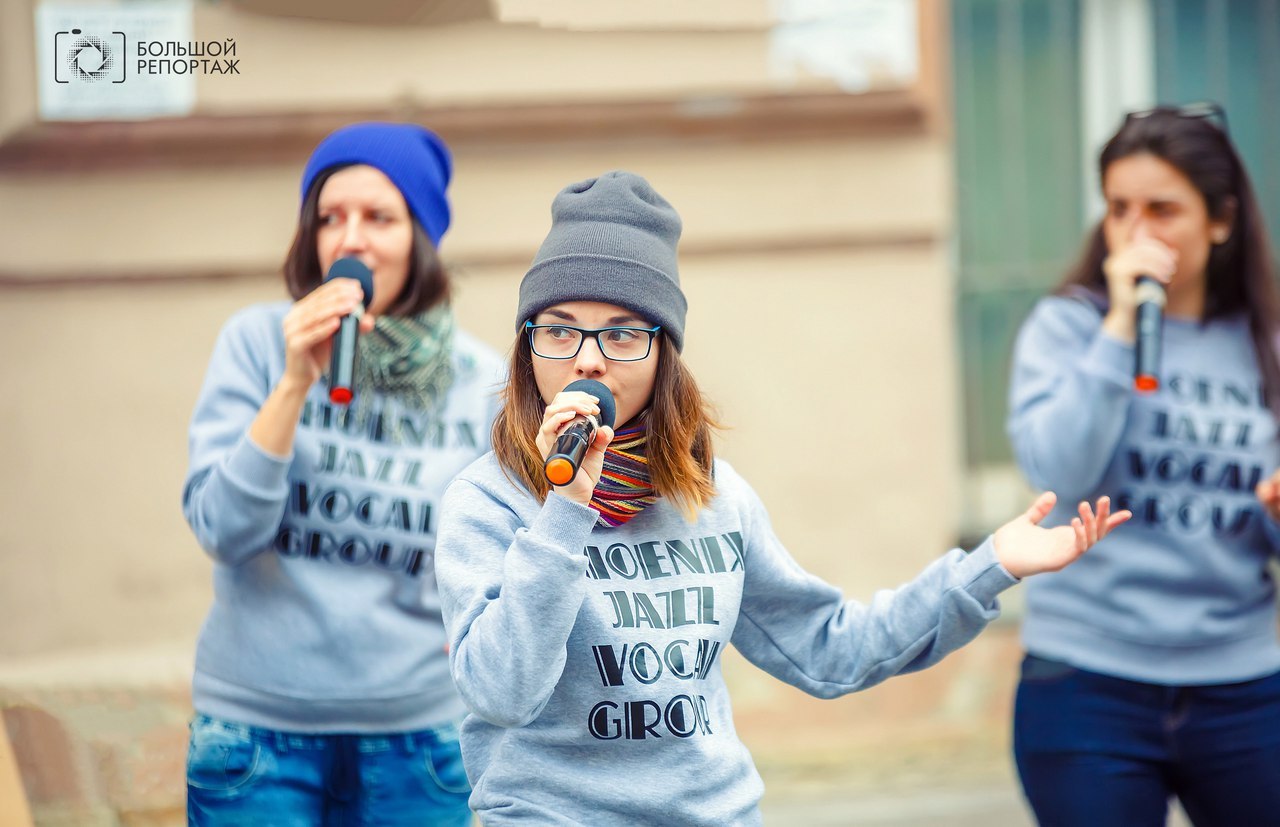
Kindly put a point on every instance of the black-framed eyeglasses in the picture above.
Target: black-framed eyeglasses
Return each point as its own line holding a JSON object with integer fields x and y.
{"x": 1199, "y": 110}
{"x": 618, "y": 344}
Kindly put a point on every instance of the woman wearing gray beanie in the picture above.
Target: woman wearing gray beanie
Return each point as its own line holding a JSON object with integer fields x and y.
{"x": 585, "y": 620}
{"x": 321, "y": 690}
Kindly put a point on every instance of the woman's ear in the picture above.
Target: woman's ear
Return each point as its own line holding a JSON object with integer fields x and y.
{"x": 1220, "y": 228}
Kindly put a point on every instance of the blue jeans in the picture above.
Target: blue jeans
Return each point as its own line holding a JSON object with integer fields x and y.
{"x": 240, "y": 775}
{"x": 1097, "y": 751}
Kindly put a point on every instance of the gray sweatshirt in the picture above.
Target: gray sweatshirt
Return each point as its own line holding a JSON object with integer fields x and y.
{"x": 1181, "y": 594}
{"x": 325, "y": 616}
{"x": 590, "y": 657}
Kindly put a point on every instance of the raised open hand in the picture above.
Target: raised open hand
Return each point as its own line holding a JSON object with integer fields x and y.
{"x": 1024, "y": 548}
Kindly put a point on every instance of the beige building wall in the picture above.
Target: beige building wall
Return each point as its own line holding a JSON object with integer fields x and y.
{"x": 815, "y": 260}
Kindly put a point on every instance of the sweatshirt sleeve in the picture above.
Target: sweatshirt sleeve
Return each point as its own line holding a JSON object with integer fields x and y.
{"x": 510, "y": 596}
{"x": 801, "y": 630}
{"x": 1069, "y": 397}
{"x": 235, "y": 493}
{"x": 1271, "y": 530}
{"x": 1270, "y": 527}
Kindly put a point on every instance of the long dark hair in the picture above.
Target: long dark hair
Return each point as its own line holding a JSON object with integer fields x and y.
{"x": 1239, "y": 273}
{"x": 428, "y": 282}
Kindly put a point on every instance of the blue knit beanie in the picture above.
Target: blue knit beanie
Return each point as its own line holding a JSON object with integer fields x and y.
{"x": 613, "y": 239}
{"x": 414, "y": 158}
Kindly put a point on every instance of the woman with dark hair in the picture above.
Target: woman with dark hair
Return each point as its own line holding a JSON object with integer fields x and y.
{"x": 1153, "y": 667}
{"x": 321, "y": 689}
{"x": 586, "y": 619}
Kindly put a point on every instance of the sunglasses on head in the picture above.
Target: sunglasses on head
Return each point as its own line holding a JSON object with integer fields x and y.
{"x": 1200, "y": 110}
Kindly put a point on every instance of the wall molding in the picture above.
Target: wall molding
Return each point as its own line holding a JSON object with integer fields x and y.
{"x": 218, "y": 140}
{"x": 515, "y": 260}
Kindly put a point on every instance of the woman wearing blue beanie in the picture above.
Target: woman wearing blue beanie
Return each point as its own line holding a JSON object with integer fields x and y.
{"x": 586, "y": 618}
{"x": 321, "y": 690}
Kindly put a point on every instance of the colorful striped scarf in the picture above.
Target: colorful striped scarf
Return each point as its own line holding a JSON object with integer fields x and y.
{"x": 624, "y": 489}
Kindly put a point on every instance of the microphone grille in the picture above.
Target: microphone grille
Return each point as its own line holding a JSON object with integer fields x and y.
{"x": 1150, "y": 290}
{"x": 353, "y": 268}
{"x": 608, "y": 409}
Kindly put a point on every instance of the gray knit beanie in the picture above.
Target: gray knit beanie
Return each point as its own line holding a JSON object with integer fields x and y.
{"x": 613, "y": 239}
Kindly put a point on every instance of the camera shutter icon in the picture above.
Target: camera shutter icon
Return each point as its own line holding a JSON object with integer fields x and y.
{"x": 89, "y": 58}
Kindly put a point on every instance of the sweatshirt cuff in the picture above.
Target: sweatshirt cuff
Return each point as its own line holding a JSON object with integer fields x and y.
{"x": 983, "y": 576}
{"x": 564, "y": 524}
{"x": 253, "y": 469}
{"x": 1110, "y": 359}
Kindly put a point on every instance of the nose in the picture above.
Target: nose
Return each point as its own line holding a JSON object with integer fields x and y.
{"x": 353, "y": 235}
{"x": 1140, "y": 228}
{"x": 590, "y": 361}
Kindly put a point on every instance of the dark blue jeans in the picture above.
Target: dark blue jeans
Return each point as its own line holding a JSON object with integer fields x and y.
{"x": 1097, "y": 751}
{"x": 243, "y": 776}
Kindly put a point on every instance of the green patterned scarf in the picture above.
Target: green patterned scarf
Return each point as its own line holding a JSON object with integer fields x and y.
{"x": 408, "y": 358}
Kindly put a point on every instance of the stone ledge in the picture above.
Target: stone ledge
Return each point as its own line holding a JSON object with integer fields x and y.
{"x": 100, "y": 737}
{"x": 99, "y": 668}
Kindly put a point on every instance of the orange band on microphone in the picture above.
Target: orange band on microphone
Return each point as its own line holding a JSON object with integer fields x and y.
{"x": 559, "y": 471}
{"x": 1146, "y": 383}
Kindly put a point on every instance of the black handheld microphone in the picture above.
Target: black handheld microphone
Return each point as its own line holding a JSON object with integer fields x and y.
{"x": 572, "y": 444}
{"x": 342, "y": 363}
{"x": 1150, "y": 320}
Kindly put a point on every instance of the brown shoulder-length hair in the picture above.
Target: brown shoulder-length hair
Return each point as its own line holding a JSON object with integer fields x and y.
{"x": 678, "y": 446}
{"x": 1240, "y": 272}
{"x": 427, "y": 284}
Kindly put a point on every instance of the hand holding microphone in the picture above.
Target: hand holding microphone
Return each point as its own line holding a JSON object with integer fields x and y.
{"x": 311, "y": 324}
{"x": 312, "y": 333}
{"x": 566, "y": 448}
{"x": 1136, "y": 279}
{"x": 343, "y": 357}
{"x": 1149, "y": 321}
